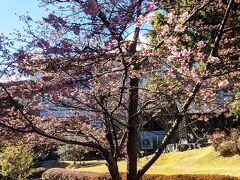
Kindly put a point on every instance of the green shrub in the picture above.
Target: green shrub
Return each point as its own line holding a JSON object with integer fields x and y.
{"x": 15, "y": 162}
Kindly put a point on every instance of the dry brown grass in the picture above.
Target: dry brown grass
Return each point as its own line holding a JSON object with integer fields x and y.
{"x": 64, "y": 174}
{"x": 197, "y": 161}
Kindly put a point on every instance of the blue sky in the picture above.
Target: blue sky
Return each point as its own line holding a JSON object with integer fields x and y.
{"x": 8, "y": 8}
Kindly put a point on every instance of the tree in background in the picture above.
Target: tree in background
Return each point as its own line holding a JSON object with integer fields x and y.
{"x": 84, "y": 60}
{"x": 71, "y": 153}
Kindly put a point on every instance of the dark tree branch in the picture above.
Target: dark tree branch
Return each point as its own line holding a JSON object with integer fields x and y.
{"x": 122, "y": 141}
{"x": 21, "y": 130}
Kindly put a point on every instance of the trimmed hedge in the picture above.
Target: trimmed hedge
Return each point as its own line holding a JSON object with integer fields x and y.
{"x": 188, "y": 177}
{"x": 65, "y": 174}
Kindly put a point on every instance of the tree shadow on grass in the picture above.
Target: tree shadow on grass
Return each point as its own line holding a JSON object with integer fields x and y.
{"x": 52, "y": 164}
{"x": 87, "y": 164}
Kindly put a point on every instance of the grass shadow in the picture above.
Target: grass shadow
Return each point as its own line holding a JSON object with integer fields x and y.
{"x": 86, "y": 164}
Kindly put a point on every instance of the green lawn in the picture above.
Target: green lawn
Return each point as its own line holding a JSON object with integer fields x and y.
{"x": 198, "y": 161}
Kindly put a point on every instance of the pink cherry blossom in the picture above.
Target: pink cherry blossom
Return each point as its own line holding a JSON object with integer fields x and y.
{"x": 43, "y": 44}
{"x": 179, "y": 28}
{"x": 214, "y": 60}
{"x": 163, "y": 30}
{"x": 186, "y": 53}
{"x": 201, "y": 45}
{"x": 171, "y": 17}
{"x": 223, "y": 84}
{"x": 200, "y": 56}
{"x": 184, "y": 17}
{"x": 140, "y": 21}
{"x": 150, "y": 6}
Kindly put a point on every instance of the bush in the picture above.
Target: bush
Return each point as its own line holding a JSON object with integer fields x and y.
{"x": 64, "y": 174}
{"x": 226, "y": 145}
{"x": 15, "y": 162}
{"x": 217, "y": 138}
{"x": 187, "y": 177}
{"x": 226, "y": 149}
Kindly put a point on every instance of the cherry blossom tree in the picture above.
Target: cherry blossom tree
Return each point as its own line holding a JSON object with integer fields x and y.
{"x": 84, "y": 61}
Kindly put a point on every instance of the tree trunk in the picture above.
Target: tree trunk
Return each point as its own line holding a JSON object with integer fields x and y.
{"x": 132, "y": 140}
{"x": 113, "y": 169}
{"x": 112, "y": 166}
